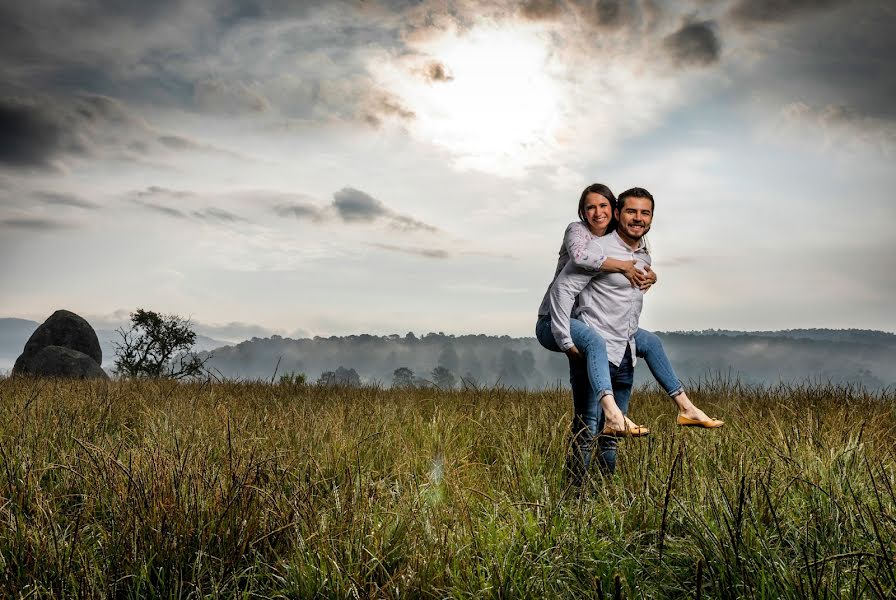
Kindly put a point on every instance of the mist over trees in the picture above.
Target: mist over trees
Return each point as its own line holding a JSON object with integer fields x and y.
{"x": 860, "y": 357}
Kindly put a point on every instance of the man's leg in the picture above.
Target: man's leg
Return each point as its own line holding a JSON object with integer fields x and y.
{"x": 586, "y": 413}
{"x": 623, "y": 377}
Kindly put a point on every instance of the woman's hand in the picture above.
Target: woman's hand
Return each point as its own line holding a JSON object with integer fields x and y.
{"x": 637, "y": 277}
{"x": 650, "y": 278}
{"x": 574, "y": 354}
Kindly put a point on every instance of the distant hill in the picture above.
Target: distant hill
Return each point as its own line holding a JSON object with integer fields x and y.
{"x": 15, "y": 332}
{"x": 866, "y": 358}
{"x": 853, "y": 356}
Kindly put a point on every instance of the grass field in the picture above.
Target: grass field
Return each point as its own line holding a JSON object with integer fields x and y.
{"x": 156, "y": 489}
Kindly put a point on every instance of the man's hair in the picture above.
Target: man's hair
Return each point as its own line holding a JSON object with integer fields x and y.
{"x": 634, "y": 192}
{"x": 598, "y": 188}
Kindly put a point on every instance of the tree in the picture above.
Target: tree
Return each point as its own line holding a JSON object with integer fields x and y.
{"x": 443, "y": 378}
{"x": 341, "y": 376}
{"x": 157, "y": 346}
{"x": 402, "y": 377}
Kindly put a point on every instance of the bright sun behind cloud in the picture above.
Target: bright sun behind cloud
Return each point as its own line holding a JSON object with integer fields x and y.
{"x": 497, "y": 107}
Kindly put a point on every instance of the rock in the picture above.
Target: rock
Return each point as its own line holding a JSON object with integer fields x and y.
{"x": 65, "y": 329}
{"x": 56, "y": 361}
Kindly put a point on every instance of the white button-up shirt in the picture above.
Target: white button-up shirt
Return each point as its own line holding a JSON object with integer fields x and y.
{"x": 607, "y": 302}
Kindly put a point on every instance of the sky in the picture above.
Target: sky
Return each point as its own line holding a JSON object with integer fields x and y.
{"x": 337, "y": 167}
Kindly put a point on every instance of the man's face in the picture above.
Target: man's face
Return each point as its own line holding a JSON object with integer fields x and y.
{"x": 634, "y": 217}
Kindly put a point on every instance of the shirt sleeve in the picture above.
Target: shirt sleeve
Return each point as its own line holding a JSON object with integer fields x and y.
{"x": 583, "y": 251}
{"x": 570, "y": 281}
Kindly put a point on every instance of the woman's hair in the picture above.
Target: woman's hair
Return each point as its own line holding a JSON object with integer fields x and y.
{"x": 599, "y": 188}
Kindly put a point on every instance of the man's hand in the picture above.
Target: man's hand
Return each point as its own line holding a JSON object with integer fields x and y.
{"x": 574, "y": 354}
{"x": 650, "y": 278}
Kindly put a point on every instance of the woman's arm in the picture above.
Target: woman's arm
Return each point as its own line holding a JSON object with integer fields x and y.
{"x": 638, "y": 279}
{"x": 583, "y": 252}
{"x": 566, "y": 287}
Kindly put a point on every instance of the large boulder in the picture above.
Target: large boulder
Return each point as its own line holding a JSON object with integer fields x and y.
{"x": 56, "y": 361}
{"x": 65, "y": 329}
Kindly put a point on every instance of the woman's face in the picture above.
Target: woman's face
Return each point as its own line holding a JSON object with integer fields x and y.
{"x": 597, "y": 213}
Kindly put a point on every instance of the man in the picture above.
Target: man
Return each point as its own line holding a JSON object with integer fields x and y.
{"x": 612, "y": 306}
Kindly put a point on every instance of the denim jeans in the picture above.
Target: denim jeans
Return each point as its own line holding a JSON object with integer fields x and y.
{"x": 588, "y": 418}
{"x": 590, "y": 344}
{"x": 647, "y": 346}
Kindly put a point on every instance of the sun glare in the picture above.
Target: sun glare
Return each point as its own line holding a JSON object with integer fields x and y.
{"x": 496, "y": 105}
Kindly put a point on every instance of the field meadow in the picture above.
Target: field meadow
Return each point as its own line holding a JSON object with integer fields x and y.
{"x": 154, "y": 489}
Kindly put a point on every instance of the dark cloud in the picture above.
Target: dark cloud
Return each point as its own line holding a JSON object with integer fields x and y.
{"x": 751, "y": 12}
{"x": 539, "y": 10}
{"x": 34, "y": 224}
{"x": 437, "y": 72}
{"x": 416, "y": 251}
{"x": 60, "y": 199}
{"x": 29, "y": 136}
{"x": 46, "y": 132}
{"x": 383, "y": 106}
{"x": 609, "y": 14}
{"x": 695, "y": 44}
{"x": 354, "y": 205}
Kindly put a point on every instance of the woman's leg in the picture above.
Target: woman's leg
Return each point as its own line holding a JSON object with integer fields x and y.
{"x": 544, "y": 335}
{"x": 649, "y": 347}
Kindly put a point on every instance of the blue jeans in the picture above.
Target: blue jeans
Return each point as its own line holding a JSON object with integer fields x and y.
{"x": 647, "y": 346}
{"x": 588, "y": 419}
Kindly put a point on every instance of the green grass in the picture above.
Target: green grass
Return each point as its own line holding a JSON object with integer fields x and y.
{"x": 163, "y": 490}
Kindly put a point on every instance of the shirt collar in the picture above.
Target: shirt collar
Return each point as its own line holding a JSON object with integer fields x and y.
{"x": 642, "y": 245}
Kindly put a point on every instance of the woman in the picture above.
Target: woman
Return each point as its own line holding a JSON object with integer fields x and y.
{"x": 580, "y": 342}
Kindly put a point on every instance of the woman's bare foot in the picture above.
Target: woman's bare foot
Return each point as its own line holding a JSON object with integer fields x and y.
{"x": 687, "y": 409}
{"x": 613, "y": 417}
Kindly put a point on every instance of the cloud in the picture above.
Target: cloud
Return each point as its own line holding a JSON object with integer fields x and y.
{"x": 29, "y": 136}
{"x": 609, "y": 14}
{"x": 300, "y": 210}
{"x": 353, "y": 205}
{"x": 217, "y": 215}
{"x": 436, "y": 72}
{"x": 381, "y": 106}
{"x": 538, "y": 10}
{"x": 416, "y": 251}
{"x": 61, "y": 199}
{"x": 152, "y": 197}
{"x": 45, "y": 132}
{"x": 836, "y": 127}
{"x": 229, "y": 97}
{"x": 694, "y": 44}
{"x": 753, "y": 12}
{"x": 34, "y": 224}
{"x": 161, "y": 208}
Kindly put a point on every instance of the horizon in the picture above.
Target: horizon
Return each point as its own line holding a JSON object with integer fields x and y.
{"x": 325, "y": 168}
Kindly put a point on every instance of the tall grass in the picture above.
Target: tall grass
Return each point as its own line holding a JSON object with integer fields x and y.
{"x": 157, "y": 489}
